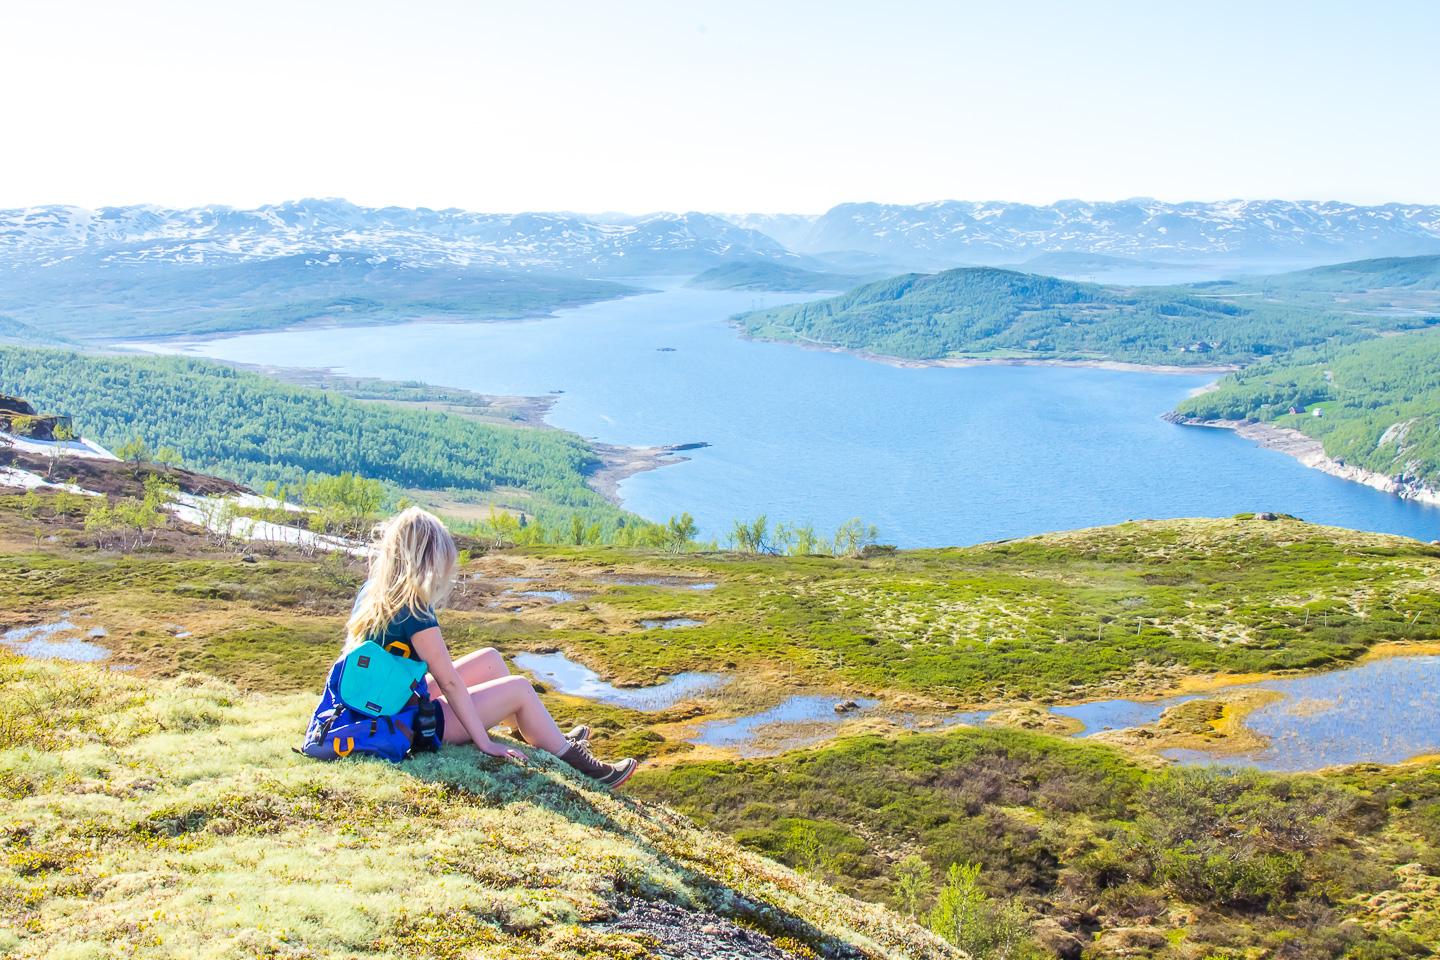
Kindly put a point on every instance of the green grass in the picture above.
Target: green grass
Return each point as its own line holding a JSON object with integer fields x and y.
{"x": 153, "y": 818}
{"x": 1110, "y": 610}
{"x": 160, "y": 812}
{"x": 1056, "y": 616}
{"x": 1191, "y": 861}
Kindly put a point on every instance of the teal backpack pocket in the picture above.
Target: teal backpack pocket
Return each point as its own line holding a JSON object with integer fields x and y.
{"x": 376, "y": 682}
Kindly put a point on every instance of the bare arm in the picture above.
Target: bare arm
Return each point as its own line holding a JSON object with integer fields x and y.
{"x": 430, "y": 646}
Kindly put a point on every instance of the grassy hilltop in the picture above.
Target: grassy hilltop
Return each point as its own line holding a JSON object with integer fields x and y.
{"x": 156, "y": 818}
{"x": 162, "y": 809}
{"x": 175, "y": 776}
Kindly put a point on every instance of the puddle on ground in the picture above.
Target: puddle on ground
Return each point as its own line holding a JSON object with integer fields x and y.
{"x": 53, "y": 641}
{"x": 671, "y": 623}
{"x": 1382, "y": 711}
{"x": 798, "y": 721}
{"x": 554, "y": 596}
{"x": 564, "y": 675}
{"x": 1101, "y": 715}
{"x": 673, "y": 582}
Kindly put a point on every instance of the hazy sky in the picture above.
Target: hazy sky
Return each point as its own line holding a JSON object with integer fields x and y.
{"x": 727, "y": 106}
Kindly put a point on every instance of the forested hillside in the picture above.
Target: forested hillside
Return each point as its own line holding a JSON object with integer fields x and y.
{"x": 763, "y": 275}
{"x": 13, "y": 331}
{"x": 1385, "y": 273}
{"x": 986, "y": 312}
{"x": 130, "y": 299}
{"x": 253, "y": 429}
{"x": 1379, "y": 401}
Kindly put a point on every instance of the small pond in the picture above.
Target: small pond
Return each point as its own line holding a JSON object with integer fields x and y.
{"x": 671, "y": 623}
{"x": 1380, "y": 711}
{"x": 564, "y": 675}
{"x": 674, "y": 582}
{"x": 61, "y": 640}
{"x": 1383, "y": 711}
{"x": 796, "y": 722}
{"x": 554, "y": 596}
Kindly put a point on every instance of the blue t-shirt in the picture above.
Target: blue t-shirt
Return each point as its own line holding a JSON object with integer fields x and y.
{"x": 402, "y": 628}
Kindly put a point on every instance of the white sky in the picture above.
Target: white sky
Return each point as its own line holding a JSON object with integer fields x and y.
{"x": 733, "y": 105}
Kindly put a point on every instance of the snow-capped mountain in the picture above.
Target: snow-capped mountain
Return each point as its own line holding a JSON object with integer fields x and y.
{"x": 558, "y": 242}
{"x": 953, "y": 231}
{"x": 853, "y": 237}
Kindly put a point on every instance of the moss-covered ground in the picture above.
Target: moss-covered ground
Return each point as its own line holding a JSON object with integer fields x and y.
{"x": 1062, "y": 616}
{"x": 168, "y": 818}
{"x": 1102, "y": 856}
{"x": 1130, "y": 609}
{"x": 149, "y": 803}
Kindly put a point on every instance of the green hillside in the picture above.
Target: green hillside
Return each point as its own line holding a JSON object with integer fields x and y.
{"x": 132, "y": 300}
{"x": 13, "y": 331}
{"x": 152, "y": 818}
{"x": 987, "y": 312}
{"x": 156, "y": 810}
{"x": 1379, "y": 402}
{"x": 1085, "y": 853}
{"x": 1396, "y": 288}
{"x": 1384, "y": 273}
{"x": 765, "y": 275}
{"x": 253, "y": 429}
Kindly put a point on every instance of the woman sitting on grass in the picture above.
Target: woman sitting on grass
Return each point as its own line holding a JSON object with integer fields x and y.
{"x": 411, "y": 571}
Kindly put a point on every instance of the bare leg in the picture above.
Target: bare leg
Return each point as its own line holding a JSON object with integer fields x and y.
{"x": 478, "y": 668}
{"x": 495, "y": 700}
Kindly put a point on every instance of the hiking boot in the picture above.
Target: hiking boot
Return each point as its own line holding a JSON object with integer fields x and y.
{"x": 579, "y": 733}
{"x": 610, "y": 775}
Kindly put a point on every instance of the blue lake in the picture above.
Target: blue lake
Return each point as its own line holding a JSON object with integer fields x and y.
{"x": 932, "y": 456}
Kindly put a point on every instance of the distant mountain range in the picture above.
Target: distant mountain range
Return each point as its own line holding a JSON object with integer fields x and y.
{"x": 954, "y": 232}
{"x": 866, "y": 238}
{"x": 138, "y": 271}
{"x": 550, "y": 242}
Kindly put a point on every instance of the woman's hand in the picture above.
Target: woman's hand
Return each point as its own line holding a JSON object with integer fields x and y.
{"x": 493, "y": 749}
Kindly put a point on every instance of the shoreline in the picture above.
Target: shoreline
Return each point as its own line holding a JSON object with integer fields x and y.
{"x": 620, "y": 463}
{"x": 617, "y": 462}
{"x": 958, "y": 362}
{"x": 1311, "y": 453}
{"x": 142, "y": 342}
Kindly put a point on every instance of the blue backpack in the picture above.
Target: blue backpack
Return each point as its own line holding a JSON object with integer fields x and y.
{"x": 375, "y": 704}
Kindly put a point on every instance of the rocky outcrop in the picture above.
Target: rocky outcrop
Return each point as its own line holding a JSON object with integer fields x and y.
{"x": 19, "y": 417}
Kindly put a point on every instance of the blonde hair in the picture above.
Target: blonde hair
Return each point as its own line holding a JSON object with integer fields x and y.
{"x": 412, "y": 563}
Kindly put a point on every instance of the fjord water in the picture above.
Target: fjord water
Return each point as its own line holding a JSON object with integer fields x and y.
{"x": 932, "y": 456}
